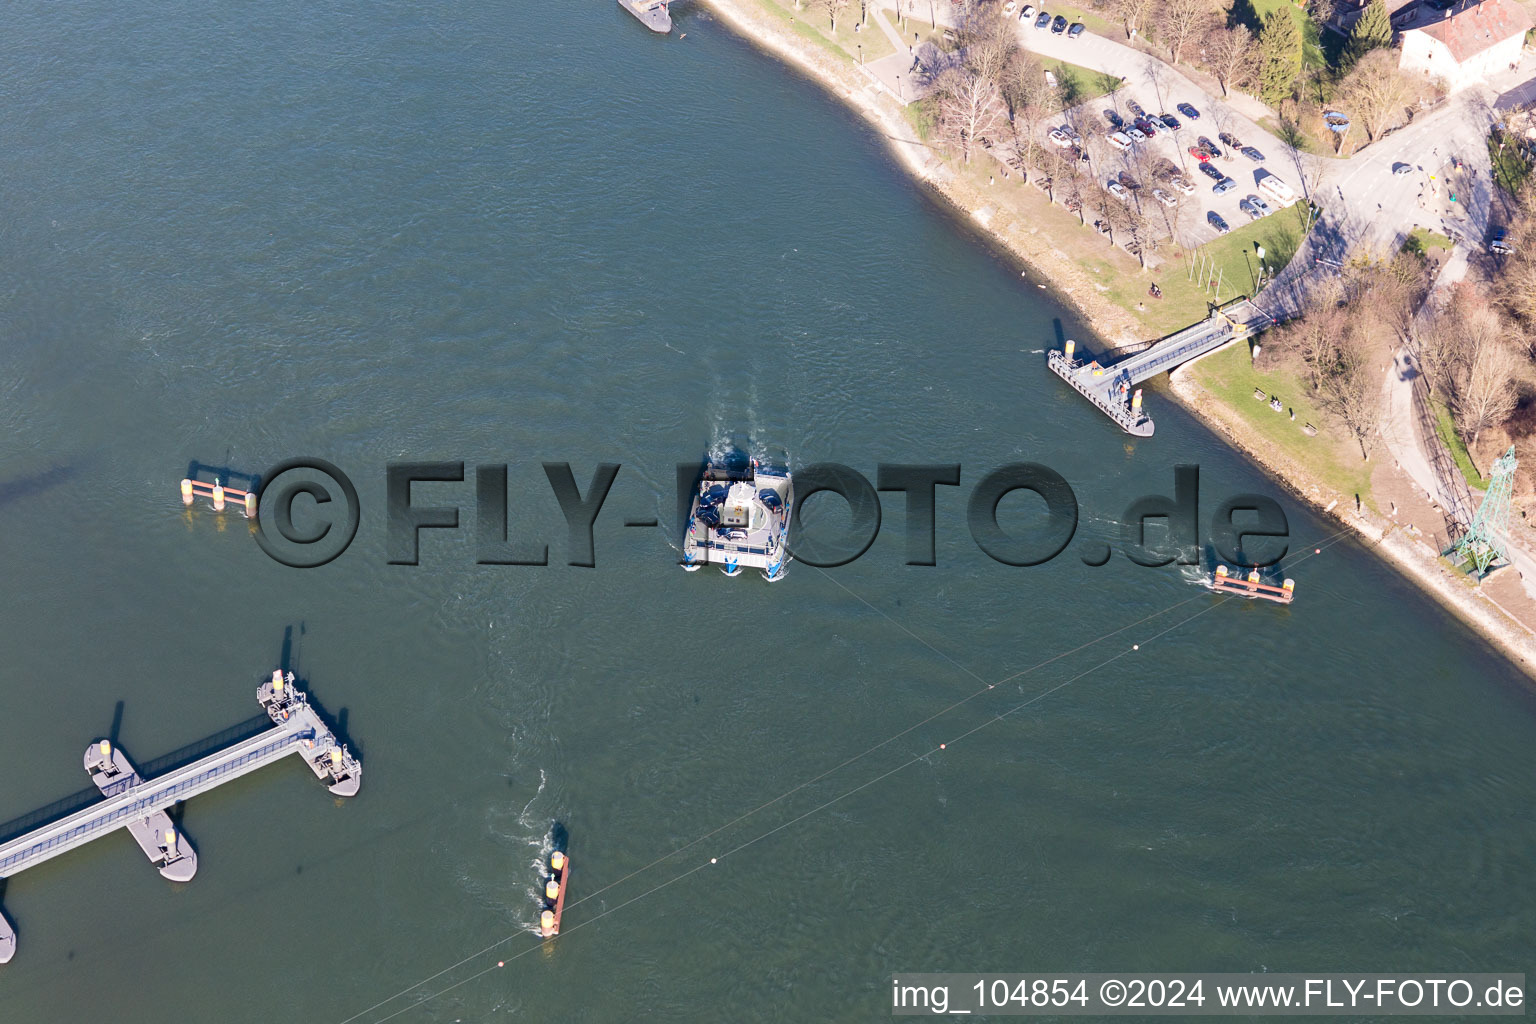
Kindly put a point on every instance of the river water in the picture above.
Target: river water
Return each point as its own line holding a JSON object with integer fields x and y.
{"x": 478, "y": 232}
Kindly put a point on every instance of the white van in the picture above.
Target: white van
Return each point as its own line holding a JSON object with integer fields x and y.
{"x": 1277, "y": 190}
{"x": 1119, "y": 140}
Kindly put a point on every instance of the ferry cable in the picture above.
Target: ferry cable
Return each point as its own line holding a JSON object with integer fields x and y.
{"x": 1318, "y": 549}
{"x": 942, "y": 747}
{"x": 808, "y": 782}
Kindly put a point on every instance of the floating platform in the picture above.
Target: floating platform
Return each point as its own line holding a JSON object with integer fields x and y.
{"x": 1112, "y": 388}
{"x": 653, "y": 14}
{"x": 1251, "y": 587}
{"x": 555, "y": 879}
{"x": 139, "y": 804}
{"x": 156, "y": 834}
{"x": 218, "y": 495}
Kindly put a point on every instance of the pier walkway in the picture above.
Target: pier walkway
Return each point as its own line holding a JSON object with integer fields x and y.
{"x": 1113, "y": 387}
{"x": 139, "y": 804}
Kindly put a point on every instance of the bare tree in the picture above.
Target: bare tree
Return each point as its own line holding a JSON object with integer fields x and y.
{"x": 988, "y": 40}
{"x": 832, "y": 8}
{"x": 1351, "y": 387}
{"x": 1378, "y": 93}
{"x": 1515, "y": 285}
{"x": 1181, "y": 21}
{"x": 969, "y": 109}
{"x": 1232, "y": 57}
{"x": 1467, "y": 358}
{"x": 1132, "y": 13}
{"x": 1487, "y": 395}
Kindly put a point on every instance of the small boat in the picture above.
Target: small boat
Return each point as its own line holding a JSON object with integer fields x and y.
{"x": 653, "y": 14}
{"x": 555, "y": 878}
{"x": 1252, "y": 587}
{"x": 740, "y": 517}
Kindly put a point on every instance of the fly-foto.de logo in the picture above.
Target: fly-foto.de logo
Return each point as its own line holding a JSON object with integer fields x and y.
{"x": 309, "y": 514}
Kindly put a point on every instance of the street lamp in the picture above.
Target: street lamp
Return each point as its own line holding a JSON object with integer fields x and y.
{"x": 861, "y": 54}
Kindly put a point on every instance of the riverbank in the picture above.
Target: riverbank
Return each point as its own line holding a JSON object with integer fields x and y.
{"x": 1397, "y": 537}
{"x": 1405, "y": 548}
{"x": 1048, "y": 266}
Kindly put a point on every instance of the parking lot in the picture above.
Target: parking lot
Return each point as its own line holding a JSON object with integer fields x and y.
{"x": 1155, "y": 91}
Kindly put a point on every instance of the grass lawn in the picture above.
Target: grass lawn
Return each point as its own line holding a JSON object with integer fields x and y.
{"x": 1422, "y": 240}
{"x": 815, "y": 26}
{"x": 1331, "y": 457}
{"x": 1446, "y": 428}
{"x": 1510, "y": 169}
{"x": 1091, "y": 19}
{"x": 1253, "y": 12}
{"x": 1310, "y": 143}
{"x": 1233, "y": 258}
{"x": 1077, "y": 83}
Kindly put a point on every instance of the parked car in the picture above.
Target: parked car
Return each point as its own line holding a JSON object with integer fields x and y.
{"x": 1059, "y": 138}
{"x": 1499, "y": 244}
{"x": 1229, "y": 139}
{"x": 1254, "y": 207}
{"x": 1009, "y": 6}
{"x": 1027, "y": 12}
{"x": 1164, "y": 197}
{"x": 1147, "y": 127}
{"x": 1215, "y": 220}
{"x": 1189, "y": 111}
{"x": 1136, "y": 134}
{"x": 1253, "y": 154}
{"x": 1119, "y": 140}
{"x": 1210, "y": 147}
{"x": 1402, "y": 170}
{"x": 1170, "y": 122}
{"x": 1199, "y": 153}
{"x": 1118, "y": 191}
{"x": 1126, "y": 180}
{"x": 1184, "y": 185}
{"x": 1076, "y": 30}
{"x": 1224, "y": 185}
{"x": 1043, "y": 20}
{"x": 1135, "y": 108}
{"x": 1114, "y": 119}
{"x": 1211, "y": 171}
{"x": 1059, "y": 25}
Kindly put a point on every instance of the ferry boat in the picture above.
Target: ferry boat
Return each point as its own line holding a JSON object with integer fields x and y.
{"x": 653, "y": 14}
{"x": 555, "y": 879}
{"x": 1223, "y": 582}
{"x": 740, "y": 518}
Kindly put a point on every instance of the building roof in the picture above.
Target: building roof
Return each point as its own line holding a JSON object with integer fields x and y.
{"x": 1469, "y": 29}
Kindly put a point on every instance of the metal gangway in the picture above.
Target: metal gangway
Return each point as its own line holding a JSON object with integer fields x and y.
{"x": 1112, "y": 387}
{"x": 139, "y": 804}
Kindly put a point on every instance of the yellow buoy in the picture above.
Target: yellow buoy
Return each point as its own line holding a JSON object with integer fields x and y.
{"x": 250, "y": 505}
{"x": 1253, "y": 577}
{"x": 1136, "y": 399}
{"x": 551, "y": 889}
{"x": 277, "y": 682}
{"x": 1070, "y": 346}
{"x": 106, "y": 750}
{"x": 186, "y": 492}
{"x": 336, "y": 757}
{"x": 557, "y": 860}
{"x": 170, "y": 840}
{"x": 547, "y": 921}
{"x": 1290, "y": 585}
{"x": 1221, "y": 570}
{"x": 218, "y": 497}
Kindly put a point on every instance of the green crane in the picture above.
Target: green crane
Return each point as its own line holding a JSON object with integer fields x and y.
{"x": 1484, "y": 542}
